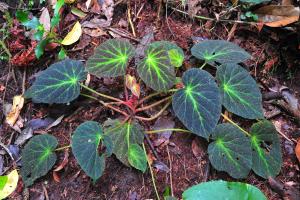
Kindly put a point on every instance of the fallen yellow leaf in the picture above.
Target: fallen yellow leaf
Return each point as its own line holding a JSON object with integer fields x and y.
{"x": 10, "y": 184}
{"x": 73, "y": 36}
{"x": 12, "y": 116}
{"x": 69, "y": 1}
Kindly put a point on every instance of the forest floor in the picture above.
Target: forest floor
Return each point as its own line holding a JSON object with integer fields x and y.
{"x": 275, "y": 64}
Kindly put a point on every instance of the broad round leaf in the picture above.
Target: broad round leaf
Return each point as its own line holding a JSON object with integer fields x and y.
{"x": 239, "y": 92}
{"x": 38, "y": 157}
{"x": 175, "y": 53}
{"x": 110, "y": 58}
{"x": 220, "y": 51}
{"x": 60, "y": 83}
{"x": 123, "y": 136}
{"x": 85, "y": 143}
{"x": 223, "y": 190}
{"x": 137, "y": 157}
{"x": 230, "y": 151}
{"x": 156, "y": 70}
{"x": 198, "y": 104}
{"x": 265, "y": 143}
{"x": 8, "y": 184}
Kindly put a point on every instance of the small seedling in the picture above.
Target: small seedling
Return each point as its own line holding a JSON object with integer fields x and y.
{"x": 197, "y": 101}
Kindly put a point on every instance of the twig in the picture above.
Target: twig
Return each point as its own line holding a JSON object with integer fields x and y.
{"x": 170, "y": 166}
{"x": 168, "y": 129}
{"x": 154, "y": 116}
{"x": 129, "y": 17}
{"x": 151, "y": 172}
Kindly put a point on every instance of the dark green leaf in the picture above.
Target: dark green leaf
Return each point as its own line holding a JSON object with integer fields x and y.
{"x": 62, "y": 54}
{"x": 230, "y": 151}
{"x": 137, "y": 157}
{"x": 198, "y": 104}
{"x": 38, "y": 157}
{"x": 265, "y": 143}
{"x": 22, "y": 16}
{"x": 39, "y": 49}
{"x": 239, "y": 91}
{"x": 220, "y": 51}
{"x": 254, "y": 1}
{"x": 223, "y": 190}
{"x": 56, "y": 16}
{"x": 156, "y": 70}
{"x": 110, "y": 58}
{"x": 85, "y": 143}
{"x": 123, "y": 135}
{"x": 60, "y": 83}
{"x": 175, "y": 53}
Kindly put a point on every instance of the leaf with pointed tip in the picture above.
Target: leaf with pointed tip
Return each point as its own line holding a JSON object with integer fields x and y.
{"x": 38, "y": 157}
{"x": 175, "y": 53}
{"x": 110, "y": 58}
{"x": 220, "y": 51}
{"x": 239, "y": 92}
{"x": 266, "y": 155}
{"x": 123, "y": 135}
{"x": 217, "y": 190}
{"x": 60, "y": 83}
{"x": 198, "y": 104}
{"x": 156, "y": 70}
{"x": 230, "y": 151}
{"x": 85, "y": 143}
{"x": 137, "y": 157}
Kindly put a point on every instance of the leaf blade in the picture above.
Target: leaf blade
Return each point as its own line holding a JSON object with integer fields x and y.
{"x": 40, "y": 151}
{"x": 73, "y": 36}
{"x": 220, "y": 51}
{"x": 60, "y": 83}
{"x": 137, "y": 157}
{"x": 265, "y": 143}
{"x": 110, "y": 58}
{"x": 85, "y": 142}
{"x": 156, "y": 70}
{"x": 239, "y": 91}
{"x": 230, "y": 151}
{"x": 200, "y": 118}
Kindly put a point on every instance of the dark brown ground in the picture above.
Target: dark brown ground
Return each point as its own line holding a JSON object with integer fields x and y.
{"x": 120, "y": 182}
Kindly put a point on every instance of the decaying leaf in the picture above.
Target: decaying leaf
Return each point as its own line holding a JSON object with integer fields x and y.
{"x": 136, "y": 89}
{"x": 277, "y": 15}
{"x": 12, "y": 116}
{"x": 8, "y": 184}
{"x": 73, "y": 36}
{"x": 297, "y": 150}
{"x": 45, "y": 20}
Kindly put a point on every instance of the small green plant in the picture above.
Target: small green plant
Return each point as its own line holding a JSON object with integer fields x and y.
{"x": 197, "y": 102}
{"x": 42, "y": 35}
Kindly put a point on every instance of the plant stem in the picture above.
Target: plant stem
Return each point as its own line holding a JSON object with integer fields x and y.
{"x": 235, "y": 124}
{"x": 100, "y": 94}
{"x": 153, "y": 105}
{"x": 203, "y": 65}
{"x": 154, "y": 116}
{"x": 168, "y": 129}
{"x": 106, "y": 104}
{"x": 152, "y": 175}
{"x": 153, "y": 95}
{"x": 63, "y": 147}
{"x": 5, "y": 48}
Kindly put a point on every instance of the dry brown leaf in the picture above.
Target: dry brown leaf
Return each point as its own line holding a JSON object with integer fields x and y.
{"x": 12, "y": 116}
{"x": 64, "y": 162}
{"x": 277, "y": 15}
{"x": 297, "y": 150}
{"x": 97, "y": 32}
